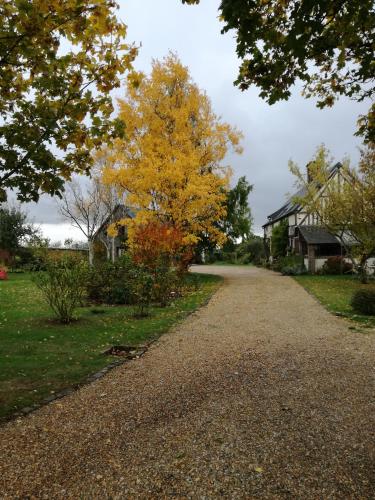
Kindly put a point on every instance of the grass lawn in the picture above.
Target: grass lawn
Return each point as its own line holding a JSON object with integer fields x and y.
{"x": 335, "y": 293}
{"x": 39, "y": 356}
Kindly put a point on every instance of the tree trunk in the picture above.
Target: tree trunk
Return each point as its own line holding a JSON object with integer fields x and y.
{"x": 91, "y": 252}
{"x": 362, "y": 270}
{"x": 113, "y": 250}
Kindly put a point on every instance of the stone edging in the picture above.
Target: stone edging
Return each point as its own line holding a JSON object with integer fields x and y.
{"x": 135, "y": 353}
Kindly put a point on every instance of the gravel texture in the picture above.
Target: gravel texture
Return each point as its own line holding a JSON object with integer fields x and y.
{"x": 260, "y": 394}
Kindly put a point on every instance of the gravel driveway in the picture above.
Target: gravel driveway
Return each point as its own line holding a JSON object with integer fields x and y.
{"x": 260, "y": 394}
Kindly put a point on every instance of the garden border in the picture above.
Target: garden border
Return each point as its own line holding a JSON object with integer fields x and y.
{"x": 27, "y": 410}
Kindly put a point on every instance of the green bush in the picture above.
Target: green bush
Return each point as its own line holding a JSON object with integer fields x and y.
{"x": 142, "y": 285}
{"x": 165, "y": 282}
{"x": 337, "y": 265}
{"x": 363, "y": 301}
{"x": 296, "y": 270}
{"x": 245, "y": 259}
{"x": 110, "y": 283}
{"x": 63, "y": 285}
{"x": 126, "y": 282}
{"x": 252, "y": 251}
{"x": 291, "y": 265}
{"x": 280, "y": 239}
{"x": 29, "y": 259}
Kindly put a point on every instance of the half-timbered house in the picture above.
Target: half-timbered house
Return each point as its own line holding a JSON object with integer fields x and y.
{"x": 306, "y": 237}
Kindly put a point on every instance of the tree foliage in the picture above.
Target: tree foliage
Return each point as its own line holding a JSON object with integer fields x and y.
{"x": 279, "y": 239}
{"x": 58, "y": 63}
{"x": 15, "y": 230}
{"x": 238, "y": 220}
{"x": 236, "y": 223}
{"x": 327, "y": 44}
{"x": 169, "y": 167}
{"x": 346, "y": 207}
{"x": 156, "y": 242}
{"x": 63, "y": 285}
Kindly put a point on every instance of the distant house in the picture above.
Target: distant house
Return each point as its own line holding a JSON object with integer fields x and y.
{"x": 113, "y": 246}
{"x": 306, "y": 237}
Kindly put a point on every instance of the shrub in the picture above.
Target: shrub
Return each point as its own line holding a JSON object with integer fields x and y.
{"x": 3, "y": 274}
{"x": 296, "y": 270}
{"x": 363, "y": 301}
{"x": 252, "y": 251}
{"x": 154, "y": 242}
{"x": 30, "y": 259}
{"x": 142, "y": 284}
{"x": 291, "y": 265}
{"x": 337, "y": 265}
{"x": 110, "y": 283}
{"x": 165, "y": 282}
{"x": 264, "y": 263}
{"x": 63, "y": 285}
{"x": 245, "y": 259}
{"x": 280, "y": 239}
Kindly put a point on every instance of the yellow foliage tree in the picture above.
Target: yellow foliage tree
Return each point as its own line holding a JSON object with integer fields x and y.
{"x": 169, "y": 166}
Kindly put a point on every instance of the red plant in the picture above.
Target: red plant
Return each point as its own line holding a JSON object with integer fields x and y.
{"x": 3, "y": 274}
{"x": 155, "y": 242}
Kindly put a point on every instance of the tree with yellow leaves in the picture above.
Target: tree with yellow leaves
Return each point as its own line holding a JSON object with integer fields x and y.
{"x": 59, "y": 61}
{"x": 169, "y": 166}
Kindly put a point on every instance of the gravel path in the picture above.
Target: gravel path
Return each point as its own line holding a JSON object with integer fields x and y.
{"x": 260, "y": 394}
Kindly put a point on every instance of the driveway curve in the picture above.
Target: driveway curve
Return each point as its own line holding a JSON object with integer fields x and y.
{"x": 260, "y": 394}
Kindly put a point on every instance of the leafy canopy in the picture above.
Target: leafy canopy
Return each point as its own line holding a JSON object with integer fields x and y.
{"x": 58, "y": 63}
{"x": 169, "y": 167}
{"x": 238, "y": 220}
{"x": 279, "y": 239}
{"x": 327, "y": 44}
{"x": 14, "y": 228}
{"x": 156, "y": 243}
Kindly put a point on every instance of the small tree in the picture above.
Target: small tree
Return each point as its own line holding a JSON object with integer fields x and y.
{"x": 63, "y": 285}
{"x": 87, "y": 207}
{"x": 142, "y": 284}
{"x": 238, "y": 220}
{"x": 15, "y": 230}
{"x": 159, "y": 249}
{"x": 279, "y": 239}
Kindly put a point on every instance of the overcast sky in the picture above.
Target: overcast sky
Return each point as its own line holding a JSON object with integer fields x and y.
{"x": 273, "y": 134}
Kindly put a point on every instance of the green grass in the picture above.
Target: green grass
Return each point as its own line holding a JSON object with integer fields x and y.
{"x": 39, "y": 356}
{"x": 335, "y": 293}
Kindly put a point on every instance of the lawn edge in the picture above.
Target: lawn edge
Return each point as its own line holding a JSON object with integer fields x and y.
{"x": 351, "y": 320}
{"x": 23, "y": 412}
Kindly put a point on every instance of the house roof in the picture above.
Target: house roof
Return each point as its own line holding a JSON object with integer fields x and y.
{"x": 316, "y": 235}
{"x": 119, "y": 212}
{"x": 290, "y": 206}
